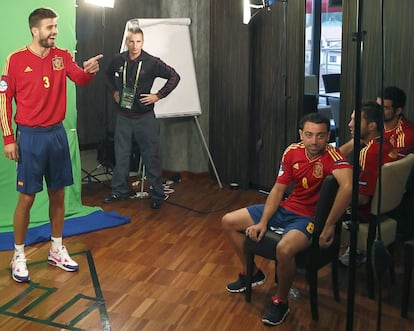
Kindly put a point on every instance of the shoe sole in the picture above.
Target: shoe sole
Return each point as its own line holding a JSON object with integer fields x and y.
{"x": 268, "y": 322}
{"x": 62, "y": 266}
{"x": 243, "y": 289}
{"x": 21, "y": 280}
{"x": 117, "y": 199}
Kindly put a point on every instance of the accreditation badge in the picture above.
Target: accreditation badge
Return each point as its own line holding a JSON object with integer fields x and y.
{"x": 127, "y": 98}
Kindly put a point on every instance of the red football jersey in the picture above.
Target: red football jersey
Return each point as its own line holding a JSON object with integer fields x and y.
{"x": 38, "y": 86}
{"x": 368, "y": 161}
{"x": 401, "y": 136}
{"x": 307, "y": 176}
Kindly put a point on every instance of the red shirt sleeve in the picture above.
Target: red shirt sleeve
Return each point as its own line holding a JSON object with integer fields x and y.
{"x": 7, "y": 92}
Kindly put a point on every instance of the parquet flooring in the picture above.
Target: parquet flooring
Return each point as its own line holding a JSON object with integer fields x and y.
{"x": 167, "y": 270}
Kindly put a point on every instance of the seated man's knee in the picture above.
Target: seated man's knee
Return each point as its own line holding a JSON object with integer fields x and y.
{"x": 283, "y": 251}
{"x": 226, "y": 221}
{"x": 235, "y": 221}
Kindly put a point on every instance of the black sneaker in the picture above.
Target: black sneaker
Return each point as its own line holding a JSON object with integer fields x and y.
{"x": 276, "y": 314}
{"x": 156, "y": 204}
{"x": 114, "y": 197}
{"x": 240, "y": 285}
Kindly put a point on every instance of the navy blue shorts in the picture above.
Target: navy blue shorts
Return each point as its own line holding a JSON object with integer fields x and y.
{"x": 43, "y": 153}
{"x": 284, "y": 220}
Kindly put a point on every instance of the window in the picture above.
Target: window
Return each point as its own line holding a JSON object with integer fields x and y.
{"x": 329, "y": 38}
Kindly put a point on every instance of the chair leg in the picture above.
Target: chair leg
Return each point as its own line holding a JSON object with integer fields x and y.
{"x": 335, "y": 282}
{"x": 276, "y": 279}
{"x": 313, "y": 293}
{"x": 405, "y": 292}
{"x": 370, "y": 270}
{"x": 249, "y": 275}
{"x": 392, "y": 269}
{"x": 406, "y": 282}
{"x": 370, "y": 278}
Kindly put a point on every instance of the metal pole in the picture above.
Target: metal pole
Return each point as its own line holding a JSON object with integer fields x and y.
{"x": 358, "y": 37}
{"x": 208, "y": 151}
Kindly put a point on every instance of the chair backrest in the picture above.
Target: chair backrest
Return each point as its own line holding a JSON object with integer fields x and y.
{"x": 335, "y": 104}
{"x": 310, "y": 103}
{"x": 326, "y": 199}
{"x": 332, "y": 82}
{"x": 311, "y": 85}
{"x": 409, "y": 186}
{"x": 393, "y": 178}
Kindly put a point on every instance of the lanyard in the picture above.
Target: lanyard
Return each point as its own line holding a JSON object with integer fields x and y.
{"x": 124, "y": 73}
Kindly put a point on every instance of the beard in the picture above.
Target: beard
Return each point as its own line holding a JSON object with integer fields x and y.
{"x": 314, "y": 151}
{"x": 46, "y": 43}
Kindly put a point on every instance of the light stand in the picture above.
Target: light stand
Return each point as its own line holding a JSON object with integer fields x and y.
{"x": 358, "y": 38}
{"x": 141, "y": 194}
{"x": 250, "y": 10}
{"x": 285, "y": 75}
{"x": 104, "y": 147}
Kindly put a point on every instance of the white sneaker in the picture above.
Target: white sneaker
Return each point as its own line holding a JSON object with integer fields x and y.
{"x": 360, "y": 258}
{"x": 19, "y": 269}
{"x": 61, "y": 259}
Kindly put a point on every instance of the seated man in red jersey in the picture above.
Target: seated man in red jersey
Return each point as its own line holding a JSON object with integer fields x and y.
{"x": 398, "y": 130}
{"x": 304, "y": 164}
{"x": 368, "y": 161}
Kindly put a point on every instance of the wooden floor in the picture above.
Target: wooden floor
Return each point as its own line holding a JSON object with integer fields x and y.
{"x": 167, "y": 270}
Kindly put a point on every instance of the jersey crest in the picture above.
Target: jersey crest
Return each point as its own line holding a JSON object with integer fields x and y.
{"x": 318, "y": 170}
{"x": 57, "y": 63}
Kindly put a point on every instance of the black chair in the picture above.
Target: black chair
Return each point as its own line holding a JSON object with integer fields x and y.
{"x": 408, "y": 266}
{"x": 331, "y": 82}
{"x": 310, "y": 103}
{"x": 311, "y": 95}
{"x": 311, "y": 259}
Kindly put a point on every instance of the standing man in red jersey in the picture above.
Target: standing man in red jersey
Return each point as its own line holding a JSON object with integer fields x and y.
{"x": 35, "y": 77}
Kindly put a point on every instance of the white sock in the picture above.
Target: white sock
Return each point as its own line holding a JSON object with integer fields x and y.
{"x": 18, "y": 249}
{"x": 56, "y": 243}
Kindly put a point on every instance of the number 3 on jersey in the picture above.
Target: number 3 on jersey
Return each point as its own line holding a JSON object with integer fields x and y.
{"x": 46, "y": 82}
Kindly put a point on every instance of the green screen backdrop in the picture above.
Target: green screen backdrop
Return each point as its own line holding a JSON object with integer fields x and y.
{"x": 16, "y": 34}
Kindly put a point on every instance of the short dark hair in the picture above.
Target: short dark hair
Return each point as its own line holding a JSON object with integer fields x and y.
{"x": 371, "y": 111}
{"x": 396, "y": 95}
{"x": 40, "y": 14}
{"x": 315, "y": 118}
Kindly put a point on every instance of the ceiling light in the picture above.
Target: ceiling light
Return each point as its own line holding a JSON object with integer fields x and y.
{"x": 102, "y": 3}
